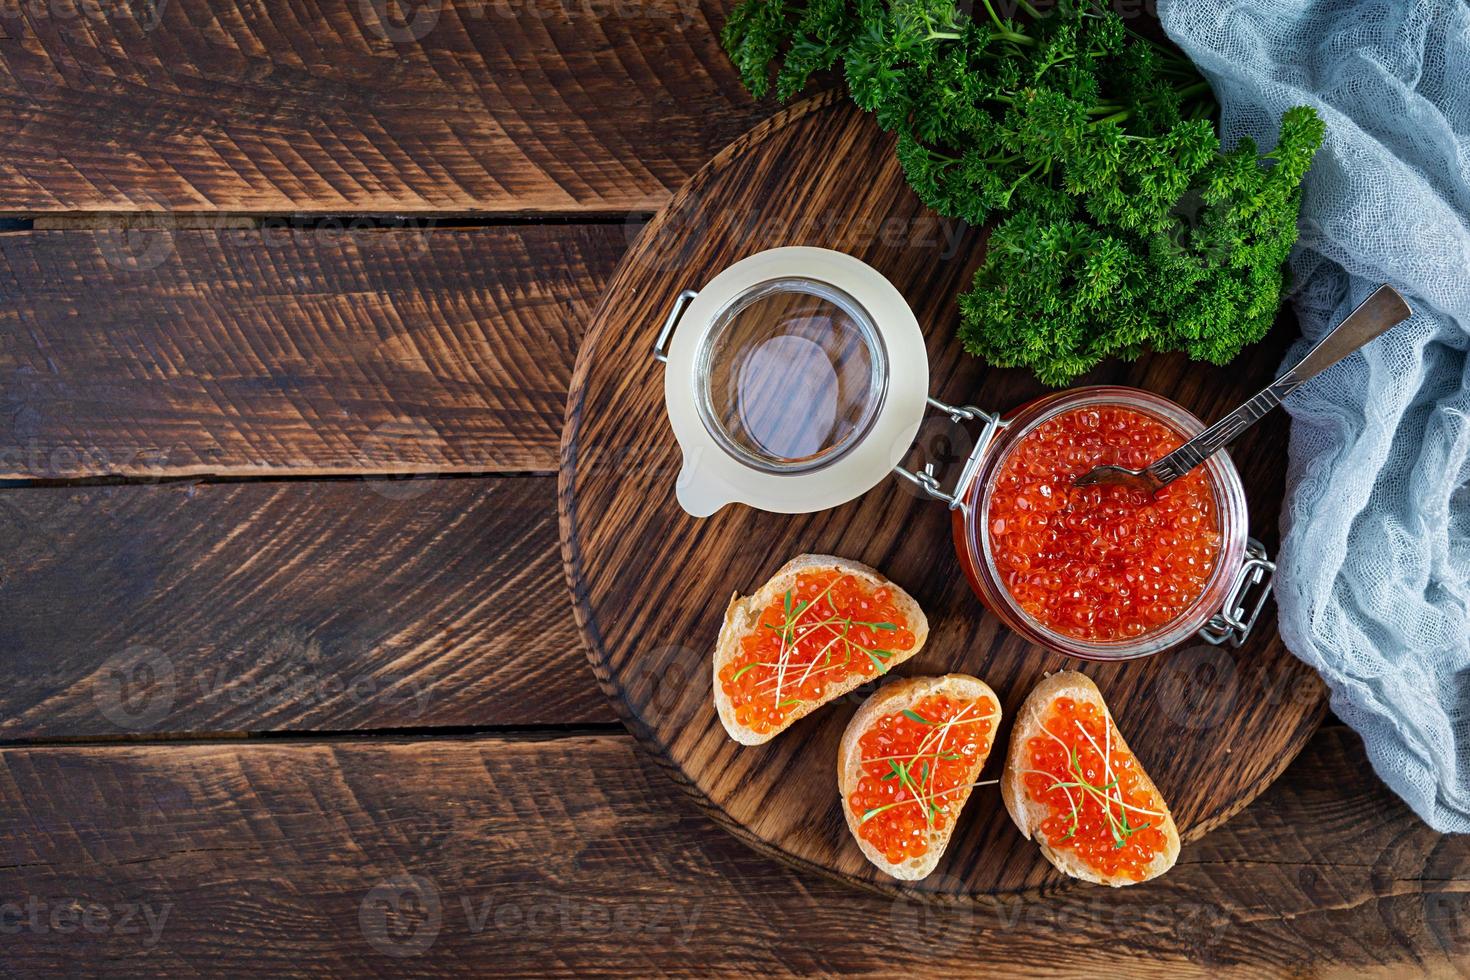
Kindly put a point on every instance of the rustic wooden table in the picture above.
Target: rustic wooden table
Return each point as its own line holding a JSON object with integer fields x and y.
{"x": 287, "y": 317}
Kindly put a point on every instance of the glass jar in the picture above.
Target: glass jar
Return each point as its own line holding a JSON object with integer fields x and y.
{"x": 1216, "y": 614}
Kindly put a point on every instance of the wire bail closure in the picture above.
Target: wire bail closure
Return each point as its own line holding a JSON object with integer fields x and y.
{"x": 661, "y": 342}
{"x": 927, "y": 481}
{"x": 1235, "y": 620}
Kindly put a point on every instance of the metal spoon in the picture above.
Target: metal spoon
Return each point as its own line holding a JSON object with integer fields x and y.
{"x": 1376, "y": 314}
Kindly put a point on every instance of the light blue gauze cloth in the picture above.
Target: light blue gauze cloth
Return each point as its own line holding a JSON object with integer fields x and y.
{"x": 1374, "y": 579}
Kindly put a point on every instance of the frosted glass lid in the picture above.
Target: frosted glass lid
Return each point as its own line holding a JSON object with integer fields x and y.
{"x": 794, "y": 381}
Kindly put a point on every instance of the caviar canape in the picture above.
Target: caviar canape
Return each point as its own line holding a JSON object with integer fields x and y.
{"x": 1072, "y": 783}
{"x": 907, "y": 764}
{"x": 821, "y": 627}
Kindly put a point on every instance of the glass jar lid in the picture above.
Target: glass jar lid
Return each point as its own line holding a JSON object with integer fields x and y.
{"x": 791, "y": 375}
{"x": 794, "y": 380}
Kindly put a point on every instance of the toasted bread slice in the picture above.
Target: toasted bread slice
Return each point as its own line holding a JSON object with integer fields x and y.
{"x": 742, "y": 617}
{"x": 895, "y": 697}
{"x": 1028, "y": 813}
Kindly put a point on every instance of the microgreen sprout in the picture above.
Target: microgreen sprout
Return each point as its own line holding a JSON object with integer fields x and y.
{"x": 928, "y": 755}
{"x": 795, "y": 627}
{"x": 1108, "y": 794}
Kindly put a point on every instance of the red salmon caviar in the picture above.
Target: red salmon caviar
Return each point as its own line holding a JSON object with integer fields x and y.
{"x": 1100, "y": 563}
{"x": 827, "y": 628}
{"x": 912, "y": 759}
{"x": 1114, "y": 822}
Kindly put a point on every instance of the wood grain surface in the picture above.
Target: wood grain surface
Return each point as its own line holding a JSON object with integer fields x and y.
{"x": 575, "y": 855}
{"x": 327, "y": 606}
{"x": 185, "y": 326}
{"x": 281, "y": 351}
{"x": 287, "y": 106}
{"x": 1214, "y": 726}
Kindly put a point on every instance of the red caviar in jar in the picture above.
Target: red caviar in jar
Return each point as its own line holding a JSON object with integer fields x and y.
{"x": 826, "y": 629}
{"x": 916, "y": 763}
{"x": 1101, "y": 808}
{"x": 1100, "y": 563}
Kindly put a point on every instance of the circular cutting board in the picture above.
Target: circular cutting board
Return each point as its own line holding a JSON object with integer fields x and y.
{"x": 1214, "y": 726}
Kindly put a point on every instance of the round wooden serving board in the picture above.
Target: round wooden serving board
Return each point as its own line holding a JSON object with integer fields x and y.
{"x": 1213, "y": 726}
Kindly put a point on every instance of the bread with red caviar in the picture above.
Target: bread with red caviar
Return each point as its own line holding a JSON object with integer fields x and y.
{"x": 877, "y": 646}
{"x": 1136, "y": 834}
{"x": 933, "y": 822}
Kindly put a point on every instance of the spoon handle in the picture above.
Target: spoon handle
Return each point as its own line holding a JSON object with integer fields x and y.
{"x": 1381, "y": 310}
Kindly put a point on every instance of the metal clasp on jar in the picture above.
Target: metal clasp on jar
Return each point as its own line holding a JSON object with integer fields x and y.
{"x": 1237, "y": 617}
{"x": 661, "y": 343}
{"x": 926, "y": 479}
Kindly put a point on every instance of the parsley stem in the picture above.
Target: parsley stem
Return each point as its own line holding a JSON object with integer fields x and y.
{"x": 1190, "y": 91}
{"x": 1115, "y": 117}
{"x": 1006, "y": 34}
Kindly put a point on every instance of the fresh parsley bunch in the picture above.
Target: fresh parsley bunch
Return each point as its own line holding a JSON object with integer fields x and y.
{"x": 1121, "y": 223}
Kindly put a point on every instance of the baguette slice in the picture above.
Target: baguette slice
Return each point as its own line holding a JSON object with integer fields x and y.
{"x": 1028, "y": 813}
{"x": 742, "y": 616}
{"x": 894, "y": 697}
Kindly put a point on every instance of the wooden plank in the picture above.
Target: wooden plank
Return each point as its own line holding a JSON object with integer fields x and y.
{"x": 286, "y": 606}
{"x": 573, "y": 855}
{"x": 318, "y": 106}
{"x": 279, "y": 351}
